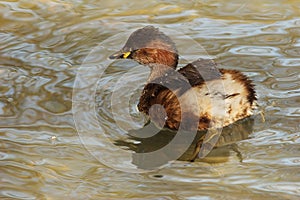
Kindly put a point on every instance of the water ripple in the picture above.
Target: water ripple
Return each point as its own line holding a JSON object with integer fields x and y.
{"x": 43, "y": 43}
{"x": 255, "y": 51}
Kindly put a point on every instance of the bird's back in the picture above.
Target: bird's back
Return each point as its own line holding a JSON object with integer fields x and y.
{"x": 214, "y": 97}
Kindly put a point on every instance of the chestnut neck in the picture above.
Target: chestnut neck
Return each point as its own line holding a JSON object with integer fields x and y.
{"x": 164, "y": 63}
{"x": 158, "y": 70}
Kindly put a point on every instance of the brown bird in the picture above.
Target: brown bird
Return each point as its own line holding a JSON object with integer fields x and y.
{"x": 195, "y": 97}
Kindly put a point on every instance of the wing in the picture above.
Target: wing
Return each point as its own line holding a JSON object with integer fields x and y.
{"x": 203, "y": 70}
{"x": 200, "y": 71}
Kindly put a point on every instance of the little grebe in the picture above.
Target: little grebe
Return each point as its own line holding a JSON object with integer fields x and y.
{"x": 222, "y": 96}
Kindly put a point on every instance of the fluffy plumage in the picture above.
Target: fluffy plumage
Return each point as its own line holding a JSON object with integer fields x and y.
{"x": 197, "y": 92}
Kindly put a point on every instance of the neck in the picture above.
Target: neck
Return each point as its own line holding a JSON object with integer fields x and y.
{"x": 153, "y": 86}
{"x": 158, "y": 70}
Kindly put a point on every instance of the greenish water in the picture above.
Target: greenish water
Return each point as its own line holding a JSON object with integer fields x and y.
{"x": 45, "y": 44}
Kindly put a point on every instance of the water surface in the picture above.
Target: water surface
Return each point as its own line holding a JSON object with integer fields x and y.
{"x": 43, "y": 44}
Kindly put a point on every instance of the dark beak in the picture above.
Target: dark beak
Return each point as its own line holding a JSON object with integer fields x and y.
{"x": 117, "y": 55}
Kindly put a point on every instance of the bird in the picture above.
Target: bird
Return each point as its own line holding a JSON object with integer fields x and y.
{"x": 197, "y": 96}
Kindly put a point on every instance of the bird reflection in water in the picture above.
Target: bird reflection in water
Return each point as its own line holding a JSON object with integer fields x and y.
{"x": 227, "y": 142}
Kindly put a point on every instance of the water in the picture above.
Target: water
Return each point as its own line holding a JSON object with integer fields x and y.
{"x": 43, "y": 46}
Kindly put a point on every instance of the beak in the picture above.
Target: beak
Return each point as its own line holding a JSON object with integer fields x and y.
{"x": 120, "y": 55}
